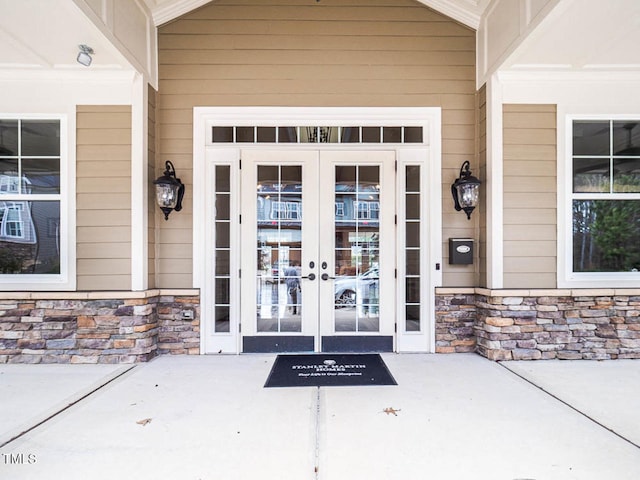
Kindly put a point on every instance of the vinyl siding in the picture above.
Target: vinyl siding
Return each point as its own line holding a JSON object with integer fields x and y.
{"x": 530, "y": 216}
{"x": 361, "y": 53}
{"x": 103, "y": 190}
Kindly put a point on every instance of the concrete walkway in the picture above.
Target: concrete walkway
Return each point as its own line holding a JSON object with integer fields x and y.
{"x": 209, "y": 417}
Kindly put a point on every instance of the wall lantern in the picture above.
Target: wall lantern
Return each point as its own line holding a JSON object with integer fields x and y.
{"x": 465, "y": 190}
{"x": 169, "y": 190}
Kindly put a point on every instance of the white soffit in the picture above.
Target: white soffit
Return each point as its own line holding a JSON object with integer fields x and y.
{"x": 584, "y": 35}
{"x": 467, "y": 12}
{"x": 45, "y": 34}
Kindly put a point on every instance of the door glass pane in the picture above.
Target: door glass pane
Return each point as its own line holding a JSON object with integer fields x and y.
{"x": 412, "y": 249}
{"x": 279, "y": 248}
{"x": 222, "y": 250}
{"x": 357, "y": 247}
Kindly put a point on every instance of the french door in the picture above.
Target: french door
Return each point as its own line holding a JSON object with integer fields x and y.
{"x": 317, "y": 250}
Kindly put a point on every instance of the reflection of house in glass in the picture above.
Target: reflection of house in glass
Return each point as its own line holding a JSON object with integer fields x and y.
{"x": 29, "y": 230}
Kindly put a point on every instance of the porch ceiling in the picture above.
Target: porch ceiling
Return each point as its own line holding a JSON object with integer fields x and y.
{"x": 44, "y": 35}
{"x": 583, "y": 35}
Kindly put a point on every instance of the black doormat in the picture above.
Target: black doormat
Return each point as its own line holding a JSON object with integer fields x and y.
{"x": 329, "y": 370}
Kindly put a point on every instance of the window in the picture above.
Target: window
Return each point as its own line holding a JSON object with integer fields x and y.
{"x": 30, "y": 200}
{"x": 605, "y": 196}
{"x": 286, "y": 211}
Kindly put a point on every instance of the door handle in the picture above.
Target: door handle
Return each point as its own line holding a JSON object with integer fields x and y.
{"x": 325, "y": 276}
{"x": 311, "y": 276}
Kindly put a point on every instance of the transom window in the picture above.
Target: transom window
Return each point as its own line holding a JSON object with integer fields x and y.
{"x": 605, "y": 196}
{"x": 316, "y": 134}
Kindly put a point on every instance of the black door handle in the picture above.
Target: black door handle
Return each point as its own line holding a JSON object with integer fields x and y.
{"x": 311, "y": 276}
{"x": 325, "y": 276}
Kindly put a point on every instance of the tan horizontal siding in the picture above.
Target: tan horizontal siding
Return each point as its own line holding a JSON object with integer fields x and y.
{"x": 530, "y": 198}
{"x": 360, "y": 53}
{"x": 103, "y": 197}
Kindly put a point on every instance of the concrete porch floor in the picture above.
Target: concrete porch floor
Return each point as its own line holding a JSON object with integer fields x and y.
{"x": 209, "y": 417}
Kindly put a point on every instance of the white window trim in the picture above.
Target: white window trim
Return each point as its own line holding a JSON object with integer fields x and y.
{"x": 65, "y": 280}
{"x": 567, "y": 278}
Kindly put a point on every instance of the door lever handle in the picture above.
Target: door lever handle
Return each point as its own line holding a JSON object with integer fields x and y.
{"x": 325, "y": 276}
{"x": 311, "y": 276}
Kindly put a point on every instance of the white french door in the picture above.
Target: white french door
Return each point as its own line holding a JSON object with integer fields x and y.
{"x": 317, "y": 250}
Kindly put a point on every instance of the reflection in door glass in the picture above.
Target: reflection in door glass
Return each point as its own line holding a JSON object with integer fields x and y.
{"x": 357, "y": 249}
{"x": 279, "y": 248}
{"x": 412, "y": 251}
{"x": 222, "y": 249}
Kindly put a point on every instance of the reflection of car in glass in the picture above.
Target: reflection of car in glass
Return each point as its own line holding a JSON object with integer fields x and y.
{"x": 348, "y": 289}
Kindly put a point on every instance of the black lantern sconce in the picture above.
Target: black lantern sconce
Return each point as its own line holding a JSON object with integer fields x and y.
{"x": 465, "y": 190}
{"x": 169, "y": 190}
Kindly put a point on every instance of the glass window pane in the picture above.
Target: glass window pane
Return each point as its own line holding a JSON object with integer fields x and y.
{"x": 287, "y": 135}
{"x": 222, "y": 235}
{"x": 626, "y": 175}
{"x": 412, "y": 175}
{"x": 412, "y": 134}
{"x": 591, "y": 138}
{"x": 413, "y": 234}
{"x": 222, "y": 262}
{"x": 626, "y": 139}
{"x": 29, "y": 237}
{"x": 41, "y": 175}
{"x": 413, "y": 262}
{"x": 9, "y": 176}
{"x": 222, "y": 290}
{"x": 591, "y": 175}
{"x": 222, "y": 134}
{"x": 350, "y": 135}
{"x": 370, "y": 134}
{"x": 223, "y": 180}
{"x": 368, "y": 178}
{"x": 291, "y": 177}
{"x": 223, "y": 210}
{"x": 267, "y": 175}
{"x": 244, "y": 134}
{"x": 266, "y": 134}
{"x": 223, "y": 322}
{"x": 413, "y": 290}
{"x": 392, "y": 134}
{"x": 41, "y": 138}
{"x": 413, "y": 206}
{"x": 412, "y": 313}
{"x": 8, "y": 138}
{"x": 605, "y": 235}
{"x": 345, "y": 179}
{"x": 309, "y": 134}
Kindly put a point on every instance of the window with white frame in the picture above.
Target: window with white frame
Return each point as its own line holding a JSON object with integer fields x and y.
{"x": 286, "y": 211}
{"x": 30, "y": 196}
{"x": 605, "y": 195}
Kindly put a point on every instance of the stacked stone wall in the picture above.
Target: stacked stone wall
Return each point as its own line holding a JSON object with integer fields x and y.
{"x": 539, "y": 325}
{"x": 95, "y": 330}
{"x": 580, "y": 326}
{"x": 455, "y": 320}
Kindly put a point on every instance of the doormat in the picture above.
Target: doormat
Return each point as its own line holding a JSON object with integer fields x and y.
{"x": 329, "y": 370}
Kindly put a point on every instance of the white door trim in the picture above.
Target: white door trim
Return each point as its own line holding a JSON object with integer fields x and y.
{"x": 429, "y": 118}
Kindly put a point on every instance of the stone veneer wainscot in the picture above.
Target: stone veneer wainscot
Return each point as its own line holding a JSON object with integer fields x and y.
{"x": 97, "y": 327}
{"x": 598, "y": 324}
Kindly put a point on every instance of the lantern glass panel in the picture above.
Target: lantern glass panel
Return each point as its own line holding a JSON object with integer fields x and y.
{"x": 167, "y": 195}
